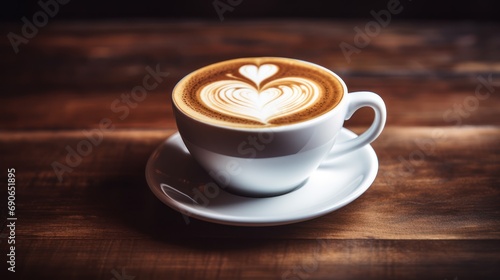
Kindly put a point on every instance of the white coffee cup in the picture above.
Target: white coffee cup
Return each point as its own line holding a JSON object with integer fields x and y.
{"x": 270, "y": 161}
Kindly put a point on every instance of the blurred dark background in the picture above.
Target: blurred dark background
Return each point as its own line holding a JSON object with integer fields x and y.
{"x": 485, "y": 10}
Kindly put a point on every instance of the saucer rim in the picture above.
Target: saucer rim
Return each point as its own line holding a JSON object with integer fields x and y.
{"x": 220, "y": 218}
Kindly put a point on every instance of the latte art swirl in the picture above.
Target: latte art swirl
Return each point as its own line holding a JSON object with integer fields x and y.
{"x": 275, "y": 99}
{"x": 258, "y": 92}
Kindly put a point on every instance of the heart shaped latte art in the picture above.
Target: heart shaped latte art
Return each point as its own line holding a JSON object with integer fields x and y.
{"x": 275, "y": 99}
{"x": 258, "y": 74}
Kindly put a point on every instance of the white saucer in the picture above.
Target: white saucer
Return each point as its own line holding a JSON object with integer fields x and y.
{"x": 177, "y": 180}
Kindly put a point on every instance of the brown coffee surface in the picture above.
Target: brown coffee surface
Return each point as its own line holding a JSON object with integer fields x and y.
{"x": 258, "y": 92}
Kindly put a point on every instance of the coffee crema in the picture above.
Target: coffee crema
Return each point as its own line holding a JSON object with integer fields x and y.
{"x": 258, "y": 92}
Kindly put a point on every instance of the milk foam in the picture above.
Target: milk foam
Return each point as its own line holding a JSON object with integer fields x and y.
{"x": 250, "y": 99}
{"x": 258, "y": 92}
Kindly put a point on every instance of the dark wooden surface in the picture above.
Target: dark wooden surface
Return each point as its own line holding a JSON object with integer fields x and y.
{"x": 433, "y": 211}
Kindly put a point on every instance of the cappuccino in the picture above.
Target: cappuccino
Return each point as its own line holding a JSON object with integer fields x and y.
{"x": 258, "y": 92}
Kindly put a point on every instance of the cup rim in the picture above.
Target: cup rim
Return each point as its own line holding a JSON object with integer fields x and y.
{"x": 285, "y": 127}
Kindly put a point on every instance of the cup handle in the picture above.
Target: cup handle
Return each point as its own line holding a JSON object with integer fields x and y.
{"x": 355, "y": 101}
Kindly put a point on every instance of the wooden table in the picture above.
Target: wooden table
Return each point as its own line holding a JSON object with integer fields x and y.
{"x": 433, "y": 211}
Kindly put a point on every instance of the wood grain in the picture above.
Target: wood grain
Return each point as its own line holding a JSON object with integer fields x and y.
{"x": 432, "y": 212}
{"x": 442, "y": 195}
{"x": 421, "y": 72}
{"x": 409, "y": 102}
{"x": 261, "y": 259}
